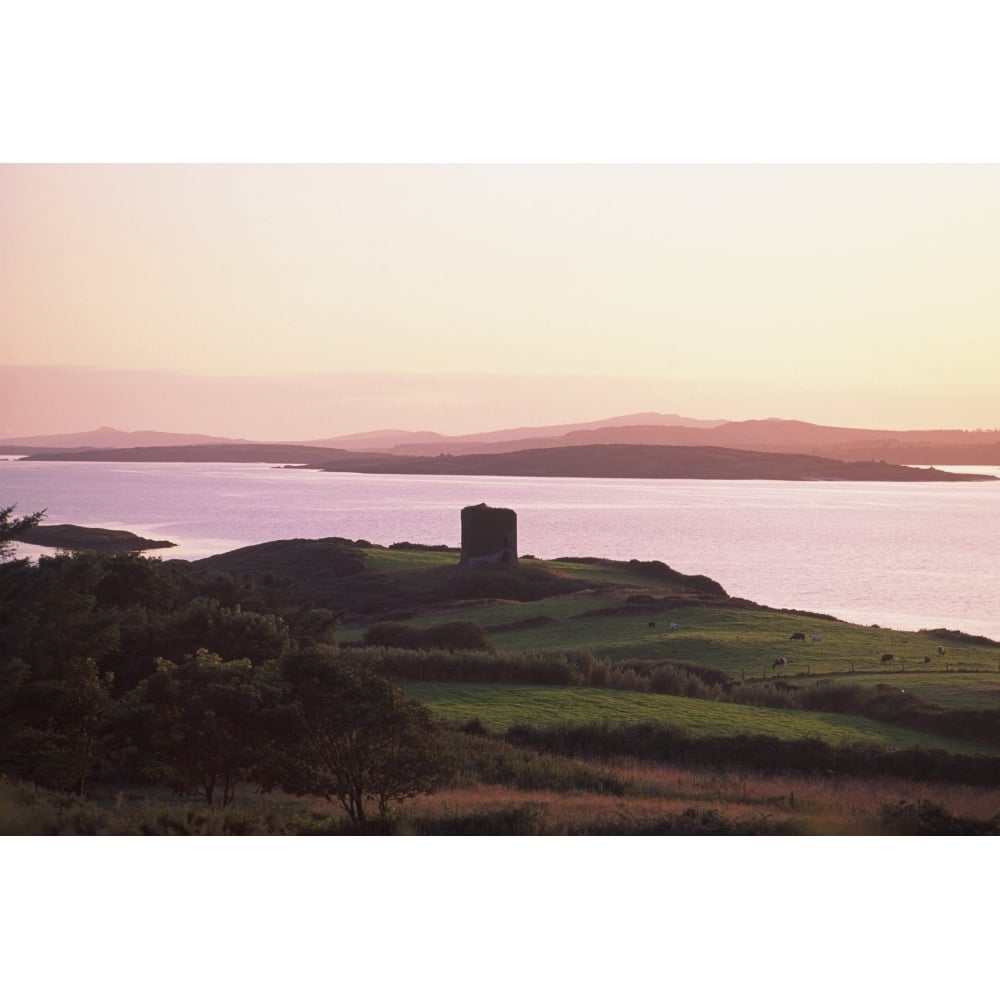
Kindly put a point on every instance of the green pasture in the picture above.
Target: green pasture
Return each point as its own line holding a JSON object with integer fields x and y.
{"x": 974, "y": 689}
{"x": 500, "y": 706}
{"x": 494, "y": 613}
{"x": 748, "y": 641}
{"x": 379, "y": 560}
{"x": 605, "y": 573}
{"x": 742, "y": 641}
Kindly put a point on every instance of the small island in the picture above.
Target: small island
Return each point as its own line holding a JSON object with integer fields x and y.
{"x": 74, "y": 537}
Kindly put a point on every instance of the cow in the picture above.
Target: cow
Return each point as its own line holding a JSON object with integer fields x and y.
{"x": 927, "y": 660}
{"x": 798, "y": 635}
{"x": 780, "y": 662}
{"x": 673, "y": 626}
{"x": 652, "y": 624}
{"x": 817, "y": 638}
{"x": 940, "y": 650}
{"x": 887, "y": 657}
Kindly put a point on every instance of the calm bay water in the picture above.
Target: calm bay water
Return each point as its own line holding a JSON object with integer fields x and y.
{"x": 905, "y": 555}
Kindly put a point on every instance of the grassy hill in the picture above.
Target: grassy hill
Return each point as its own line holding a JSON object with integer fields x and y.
{"x": 362, "y": 580}
{"x": 499, "y": 707}
{"x": 621, "y": 626}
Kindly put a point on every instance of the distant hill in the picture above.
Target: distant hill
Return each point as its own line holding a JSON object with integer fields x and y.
{"x": 108, "y": 437}
{"x": 917, "y": 447}
{"x": 377, "y": 440}
{"x": 909, "y": 447}
{"x": 431, "y": 443}
{"x": 642, "y": 462}
{"x": 280, "y": 454}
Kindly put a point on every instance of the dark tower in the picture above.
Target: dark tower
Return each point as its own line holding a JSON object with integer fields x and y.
{"x": 489, "y": 536}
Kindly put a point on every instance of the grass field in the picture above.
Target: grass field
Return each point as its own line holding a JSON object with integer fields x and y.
{"x": 748, "y": 642}
{"x": 500, "y": 706}
{"x": 743, "y": 642}
{"x": 379, "y": 560}
{"x": 736, "y": 639}
{"x": 625, "y": 612}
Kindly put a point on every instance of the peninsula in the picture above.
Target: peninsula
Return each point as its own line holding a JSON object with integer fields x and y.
{"x": 625, "y": 461}
{"x": 73, "y": 537}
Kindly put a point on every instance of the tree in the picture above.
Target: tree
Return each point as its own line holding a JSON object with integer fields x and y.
{"x": 364, "y": 743}
{"x": 54, "y": 689}
{"x": 12, "y": 527}
{"x": 231, "y": 632}
{"x": 202, "y": 726}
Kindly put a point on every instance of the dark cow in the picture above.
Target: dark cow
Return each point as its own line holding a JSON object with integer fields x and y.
{"x": 887, "y": 657}
{"x": 940, "y": 650}
{"x": 652, "y": 624}
{"x": 798, "y": 635}
{"x": 780, "y": 662}
{"x": 927, "y": 660}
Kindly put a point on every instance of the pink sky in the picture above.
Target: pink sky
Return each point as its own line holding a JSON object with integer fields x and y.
{"x": 311, "y": 301}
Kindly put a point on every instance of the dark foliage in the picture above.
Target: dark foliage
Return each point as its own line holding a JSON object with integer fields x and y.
{"x": 53, "y": 690}
{"x": 12, "y": 528}
{"x": 478, "y": 758}
{"x": 448, "y": 635}
{"x": 203, "y": 726}
{"x": 930, "y": 819}
{"x": 665, "y": 743}
{"x": 363, "y": 743}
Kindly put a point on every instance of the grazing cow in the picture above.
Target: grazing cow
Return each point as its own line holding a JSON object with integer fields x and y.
{"x": 780, "y": 662}
{"x": 927, "y": 660}
{"x": 798, "y": 635}
{"x": 887, "y": 657}
{"x": 817, "y": 638}
{"x": 652, "y": 624}
{"x": 673, "y": 626}
{"x": 940, "y": 650}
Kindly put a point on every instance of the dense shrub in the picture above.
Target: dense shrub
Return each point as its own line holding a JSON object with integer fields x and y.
{"x": 665, "y": 743}
{"x": 689, "y": 823}
{"x": 930, "y": 819}
{"x": 526, "y": 819}
{"x": 497, "y": 762}
{"x": 474, "y": 666}
{"x": 447, "y": 635}
{"x": 26, "y": 810}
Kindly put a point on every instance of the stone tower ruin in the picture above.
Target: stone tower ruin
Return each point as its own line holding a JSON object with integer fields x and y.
{"x": 489, "y": 536}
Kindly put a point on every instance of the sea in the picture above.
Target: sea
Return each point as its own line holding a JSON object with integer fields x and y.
{"x": 900, "y": 555}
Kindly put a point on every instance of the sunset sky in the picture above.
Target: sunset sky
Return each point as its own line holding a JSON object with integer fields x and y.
{"x": 306, "y": 301}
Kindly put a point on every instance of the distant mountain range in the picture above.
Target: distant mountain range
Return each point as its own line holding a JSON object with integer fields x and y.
{"x": 910, "y": 447}
{"x": 108, "y": 437}
{"x": 424, "y": 442}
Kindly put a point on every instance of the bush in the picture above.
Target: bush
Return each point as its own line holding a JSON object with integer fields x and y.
{"x": 924, "y": 818}
{"x": 448, "y": 635}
